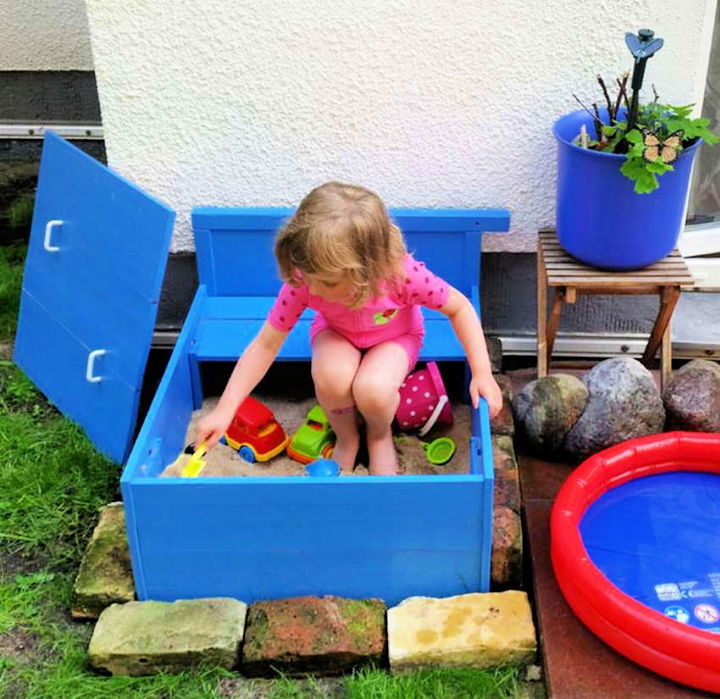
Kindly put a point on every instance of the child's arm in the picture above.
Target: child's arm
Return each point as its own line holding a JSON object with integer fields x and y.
{"x": 421, "y": 286}
{"x": 254, "y": 362}
{"x": 469, "y": 331}
{"x": 249, "y": 370}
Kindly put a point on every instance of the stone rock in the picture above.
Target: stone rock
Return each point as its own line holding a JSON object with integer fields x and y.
{"x": 145, "y": 638}
{"x": 322, "y": 635}
{"x": 503, "y": 422}
{"x": 479, "y": 630}
{"x": 547, "y": 409}
{"x": 533, "y": 673}
{"x": 105, "y": 575}
{"x": 623, "y": 403}
{"x": 494, "y": 347}
{"x": 507, "y": 483}
{"x": 506, "y": 566}
{"x": 692, "y": 397}
{"x": 503, "y": 453}
{"x": 507, "y": 549}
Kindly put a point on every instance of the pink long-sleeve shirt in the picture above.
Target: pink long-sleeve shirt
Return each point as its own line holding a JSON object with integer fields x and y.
{"x": 392, "y": 314}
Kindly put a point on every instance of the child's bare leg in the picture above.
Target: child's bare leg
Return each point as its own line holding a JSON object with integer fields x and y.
{"x": 335, "y": 362}
{"x": 375, "y": 388}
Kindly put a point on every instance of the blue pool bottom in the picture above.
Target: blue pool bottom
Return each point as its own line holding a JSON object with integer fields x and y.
{"x": 657, "y": 539}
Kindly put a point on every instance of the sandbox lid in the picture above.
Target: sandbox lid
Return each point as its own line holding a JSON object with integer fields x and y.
{"x": 94, "y": 270}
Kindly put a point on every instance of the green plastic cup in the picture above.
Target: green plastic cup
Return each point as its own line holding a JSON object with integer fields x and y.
{"x": 439, "y": 451}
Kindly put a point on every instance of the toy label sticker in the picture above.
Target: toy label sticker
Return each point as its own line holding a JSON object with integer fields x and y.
{"x": 678, "y": 613}
{"x": 699, "y": 601}
{"x": 667, "y": 592}
{"x": 707, "y": 613}
{"x": 691, "y": 589}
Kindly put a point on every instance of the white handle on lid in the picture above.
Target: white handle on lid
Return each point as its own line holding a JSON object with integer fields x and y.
{"x": 48, "y": 232}
{"x": 91, "y": 365}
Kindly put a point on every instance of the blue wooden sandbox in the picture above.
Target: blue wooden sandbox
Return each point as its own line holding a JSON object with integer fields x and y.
{"x": 263, "y": 538}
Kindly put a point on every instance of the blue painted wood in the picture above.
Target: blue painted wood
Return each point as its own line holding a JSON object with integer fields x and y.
{"x": 159, "y": 441}
{"x": 262, "y": 538}
{"x": 482, "y": 445}
{"x": 171, "y": 407}
{"x": 205, "y": 261}
{"x": 270, "y": 218}
{"x": 106, "y": 410}
{"x": 268, "y": 538}
{"x": 102, "y": 285}
{"x": 448, "y": 240}
{"x": 219, "y": 218}
{"x": 224, "y": 339}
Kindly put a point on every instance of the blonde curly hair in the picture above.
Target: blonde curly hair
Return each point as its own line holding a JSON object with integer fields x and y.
{"x": 342, "y": 230}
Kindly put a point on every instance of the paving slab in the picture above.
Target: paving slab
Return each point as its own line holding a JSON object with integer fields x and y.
{"x": 320, "y": 635}
{"x": 105, "y": 575}
{"x": 146, "y": 638}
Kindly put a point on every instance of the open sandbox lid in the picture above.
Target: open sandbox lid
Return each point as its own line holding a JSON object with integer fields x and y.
{"x": 93, "y": 275}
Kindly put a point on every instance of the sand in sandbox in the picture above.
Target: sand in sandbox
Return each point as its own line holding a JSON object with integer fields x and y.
{"x": 290, "y": 413}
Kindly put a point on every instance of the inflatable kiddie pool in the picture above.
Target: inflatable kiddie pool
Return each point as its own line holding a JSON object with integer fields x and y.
{"x": 635, "y": 544}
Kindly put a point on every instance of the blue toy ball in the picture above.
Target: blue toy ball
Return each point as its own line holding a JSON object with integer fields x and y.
{"x": 323, "y": 468}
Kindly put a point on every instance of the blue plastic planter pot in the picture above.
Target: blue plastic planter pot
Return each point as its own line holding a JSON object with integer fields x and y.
{"x": 601, "y": 220}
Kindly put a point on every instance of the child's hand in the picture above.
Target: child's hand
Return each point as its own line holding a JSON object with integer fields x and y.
{"x": 487, "y": 387}
{"x": 211, "y": 427}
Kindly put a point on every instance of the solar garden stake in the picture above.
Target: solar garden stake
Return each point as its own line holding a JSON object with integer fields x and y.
{"x": 642, "y": 46}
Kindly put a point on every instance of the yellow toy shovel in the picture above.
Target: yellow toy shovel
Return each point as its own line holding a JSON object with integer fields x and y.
{"x": 194, "y": 464}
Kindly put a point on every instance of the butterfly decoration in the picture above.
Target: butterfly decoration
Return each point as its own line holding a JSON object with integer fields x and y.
{"x": 666, "y": 150}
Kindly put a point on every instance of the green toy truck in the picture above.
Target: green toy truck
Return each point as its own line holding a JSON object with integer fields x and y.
{"x": 314, "y": 439}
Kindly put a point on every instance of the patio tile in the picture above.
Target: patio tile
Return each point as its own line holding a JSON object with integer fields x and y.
{"x": 540, "y": 479}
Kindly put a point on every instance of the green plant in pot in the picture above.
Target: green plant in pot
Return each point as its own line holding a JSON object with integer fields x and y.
{"x": 612, "y": 210}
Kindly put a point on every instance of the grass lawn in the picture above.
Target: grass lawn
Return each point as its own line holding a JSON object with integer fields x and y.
{"x": 52, "y": 481}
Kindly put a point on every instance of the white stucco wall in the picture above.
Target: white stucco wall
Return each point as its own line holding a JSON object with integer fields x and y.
{"x": 430, "y": 103}
{"x": 44, "y": 35}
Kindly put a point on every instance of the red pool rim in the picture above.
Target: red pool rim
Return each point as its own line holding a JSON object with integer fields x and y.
{"x": 682, "y": 653}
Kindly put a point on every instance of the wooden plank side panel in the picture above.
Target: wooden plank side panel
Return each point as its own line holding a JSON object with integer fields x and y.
{"x": 57, "y": 361}
{"x": 274, "y": 538}
{"x": 235, "y": 245}
{"x": 225, "y": 339}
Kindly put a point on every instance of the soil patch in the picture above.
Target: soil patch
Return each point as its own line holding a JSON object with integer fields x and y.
{"x": 18, "y": 645}
{"x": 241, "y": 688}
{"x": 12, "y": 564}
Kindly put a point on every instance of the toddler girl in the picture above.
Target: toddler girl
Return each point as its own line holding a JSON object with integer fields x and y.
{"x": 341, "y": 255}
